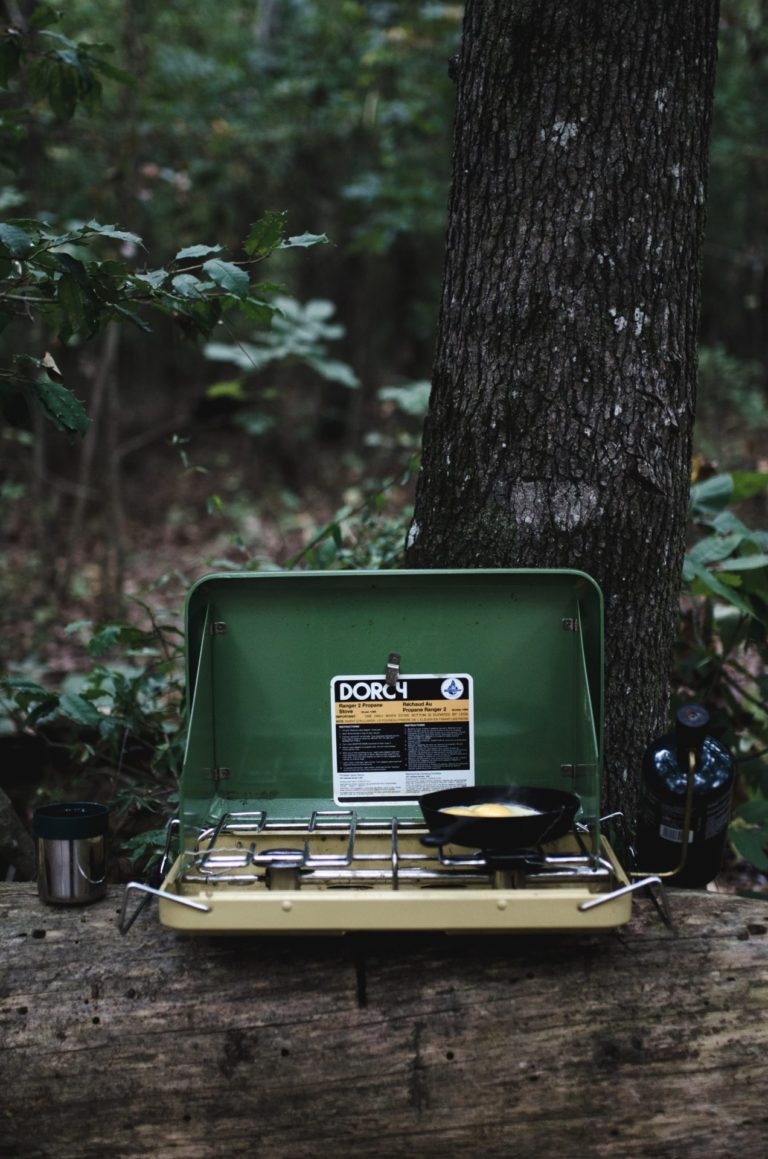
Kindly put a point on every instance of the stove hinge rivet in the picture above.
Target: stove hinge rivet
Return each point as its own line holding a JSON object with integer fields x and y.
{"x": 218, "y": 628}
{"x": 220, "y": 774}
{"x": 570, "y": 625}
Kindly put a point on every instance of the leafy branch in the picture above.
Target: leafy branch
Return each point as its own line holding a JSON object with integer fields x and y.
{"x": 723, "y": 653}
{"x": 59, "y": 71}
{"x": 60, "y": 278}
{"x": 126, "y": 719}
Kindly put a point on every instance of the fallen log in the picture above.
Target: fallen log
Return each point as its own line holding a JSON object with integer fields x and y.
{"x": 644, "y": 1042}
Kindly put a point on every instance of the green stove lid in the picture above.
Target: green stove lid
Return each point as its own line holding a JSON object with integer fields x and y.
{"x": 495, "y": 676}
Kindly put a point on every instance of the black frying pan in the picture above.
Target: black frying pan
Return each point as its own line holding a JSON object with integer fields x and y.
{"x": 556, "y": 811}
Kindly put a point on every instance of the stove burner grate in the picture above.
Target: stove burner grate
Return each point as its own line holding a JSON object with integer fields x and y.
{"x": 337, "y": 848}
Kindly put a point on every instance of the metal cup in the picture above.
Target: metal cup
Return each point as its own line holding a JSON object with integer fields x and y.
{"x": 71, "y": 851}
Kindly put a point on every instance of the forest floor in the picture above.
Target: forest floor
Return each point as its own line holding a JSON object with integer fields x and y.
{"x": 173, "y": 532}
{"x": 179, "y": 520}
{"x": 214, "y": 508}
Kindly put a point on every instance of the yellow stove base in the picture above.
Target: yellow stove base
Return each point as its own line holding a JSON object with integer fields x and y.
{"x": 234, "y": 909}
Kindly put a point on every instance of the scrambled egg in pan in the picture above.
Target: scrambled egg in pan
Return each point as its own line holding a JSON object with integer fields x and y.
{"x": 492, "y": 809}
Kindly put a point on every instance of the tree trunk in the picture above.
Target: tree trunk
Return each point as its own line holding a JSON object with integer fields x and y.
{"x": 559, "y": 432}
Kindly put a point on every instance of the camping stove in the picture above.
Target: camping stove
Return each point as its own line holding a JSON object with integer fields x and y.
{"x": 325, "y": 705}
{"x": 337, "y": 872}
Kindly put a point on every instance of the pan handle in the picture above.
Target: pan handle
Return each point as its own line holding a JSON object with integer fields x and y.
{"x": 440, "y": 837}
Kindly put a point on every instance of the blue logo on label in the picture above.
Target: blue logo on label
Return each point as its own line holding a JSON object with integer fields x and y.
{"x": 452, "y": 688}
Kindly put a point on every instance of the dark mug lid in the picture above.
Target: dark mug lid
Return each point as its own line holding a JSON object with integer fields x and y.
{"x": 70, "y": 820}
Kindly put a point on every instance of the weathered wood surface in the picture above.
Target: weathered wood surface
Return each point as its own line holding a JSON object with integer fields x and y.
{"x": 643, "y": 1042}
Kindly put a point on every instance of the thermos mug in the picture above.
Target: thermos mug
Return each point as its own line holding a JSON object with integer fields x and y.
{"x": 71, "y": 852}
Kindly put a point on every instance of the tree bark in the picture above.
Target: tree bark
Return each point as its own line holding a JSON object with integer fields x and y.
{"x": 559, "y": 431}
{"x": 647, "y": 1043}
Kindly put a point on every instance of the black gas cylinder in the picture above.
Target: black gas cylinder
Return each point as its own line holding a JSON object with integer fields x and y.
{"x": 666, "y": 767}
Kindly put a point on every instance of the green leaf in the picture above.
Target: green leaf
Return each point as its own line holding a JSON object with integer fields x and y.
{"x": 304, "y": 240}
{"x": 132, "y": 317}
{"x": 76, "y": 626}
{"x": 15, "y": 240}
{"x": 259, "y": 312}
{"x": 27, "y": 361}
{"x": 62, "y": 91}
{"x": 104, "y": 639}
{"x": 80, "y": 710}
{"x": 194, "y": 316}
{"x": 187, "y": 285}
{"x": 714, "y": 548}
{"x": 747, "y": 484}
{"x": 60, "y": 406}
{"x": 711, "y": 495}
{"x": 33, "y": 224}
{"x": 265, "y": 235}
{"x": 229, "y": 276}
{"x": 113, "y": 232}
{"x": 74, "y": 267}
{"x": 197, "y": 251}
{"x": 727, "y": 523}
{"x": 245, "y": 355}
{"x": 37, "y": 73}
{"x": 748, "y": 832}
{"x": 745, "y": 562}
{"x": 112, "y": 271}
{"x": 152, "y": 278}
{"x": 60, "y": 39}
{"x": 43, "y": 15}
{"x": 233, "y": 389}
{"x": 412, "y": 398}
{"x": 267, "y": 288}
{"x": 710, "y": 583}
{"x": 111, "y": 70}
{"x": 18, "y": 684}
{"x": 71, "y": 301}
{"x": 70, "y": 57}
{"x": 150, "y": 843}
{"x": 334, "y": 371}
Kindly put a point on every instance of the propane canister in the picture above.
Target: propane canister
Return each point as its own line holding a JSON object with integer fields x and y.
{"x": 667, "y": 766}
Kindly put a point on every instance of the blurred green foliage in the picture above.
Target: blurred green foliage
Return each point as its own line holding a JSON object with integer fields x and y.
{"x": 734, "y": 288}
{"x": 56, "y": 278}
{"x": 122, "y": 727}
{"x": 183, "y": 125}
{"x": 338, "y": 115}
{"x": 722, "y": 650}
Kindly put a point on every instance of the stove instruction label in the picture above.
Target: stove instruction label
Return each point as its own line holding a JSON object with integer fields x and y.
{"x": 395, "y": 742}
